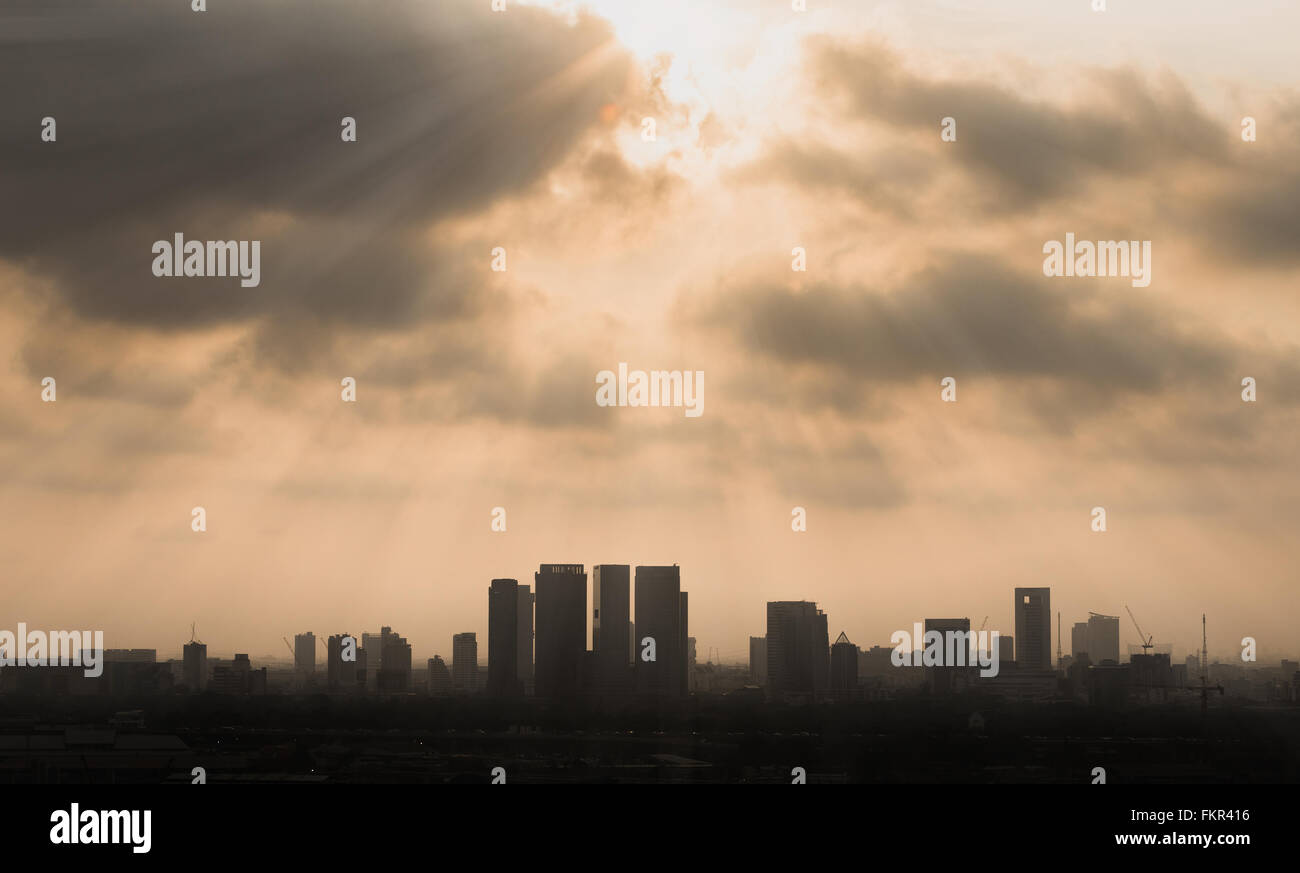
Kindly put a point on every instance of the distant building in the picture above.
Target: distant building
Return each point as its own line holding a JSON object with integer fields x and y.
{"x": 525, "y": 630}
{"x": 394, "y": 672}
{"x": 195, "y": 671}
{"x": 798, "y": 650}
{"x": 1034, "y": 628}
{"x": 464, "y": 662}
{"x": 1006, "y": 652}
{"x": 758, "y": 660}
{"x": 610, "y": 628}
{"x": 340, "y": 674}
{"x": 439, "y": 676}
{"x": 561, "y": 634}
{"x": 238, "y": 677}
{"x": 660, "y": 614}
{"x": 1103, "y": 638}
{"x": 304, "y": 653}
{"x": 1079, "y": 639}
{"x": 503, "y": 639}
{"x": 844, "y": 667}
{"x": 955, "y": 643}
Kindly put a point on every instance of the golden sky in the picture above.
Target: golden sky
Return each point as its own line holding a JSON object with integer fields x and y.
{"x": 522, "y": 129}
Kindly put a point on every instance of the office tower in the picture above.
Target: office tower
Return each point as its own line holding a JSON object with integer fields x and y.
{"x": 690, "y": 661}
{"x": 238, "y": 677}
{"x": 798, "y": 649}
{"x": 954, "y": 645}
{"x": 394, "y": 674}
{"x": 1103, "y": 638}
{"x": 610, "y": 608}
{"x": 440, "y": 681}
{"x": 464, "y": 662}
{"x": 524, "y": 648}
{"x": 844, "y": 665}
{"x": 1006, "y": 651}
{"x": 343, "y": 667}
{"x": 304, "y": 653}
{"x": 684, "y": 647}
{"x": 503, "y": 638}
{"x": 633, "y": 644}
{"x": 1034, "y": 628}
{"x": 660, "y": 610}
{"x": 195, "y": 670}
{"x": 561, "y": 633}
{"x": 758, "y": 660}
{"x": 1079, "y": 639}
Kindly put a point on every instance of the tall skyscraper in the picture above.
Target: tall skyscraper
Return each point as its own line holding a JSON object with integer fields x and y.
{"x": 341, "y": 673}
{"x": 798, "y": 649}
{"x": 950, "y": 678}
{"x": 304, "y": 653}
{"x": 525, "y": 630}
{"x": 394, "y": 674}
{"x": 1103, "y": 638}
{"x": 503, "y": 638}
{"x": 1034, "y": 628}
{"x": 758, "y": 660}
{"x": 1079, "y": 639}
{"x": 660, "y": 615}
{"x": 195, "y": 666}
{"x": 561, "y": 634}
{"x": 464, "y": 662}
{"x": 844, "y": 666}
{"x": 610, "y": 608}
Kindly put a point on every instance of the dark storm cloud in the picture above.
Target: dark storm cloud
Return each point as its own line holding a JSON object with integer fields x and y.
{"x": 969, "y": 315}
{"x": 1031, "y": 152}
{"x": 175, "y": 121}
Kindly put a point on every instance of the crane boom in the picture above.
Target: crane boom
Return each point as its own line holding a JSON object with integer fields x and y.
{"x": 1146, "y": 640}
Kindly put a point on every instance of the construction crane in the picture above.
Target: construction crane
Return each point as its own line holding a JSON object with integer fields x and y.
{"x": 1146, "y": 640}
{"x": 289, "y": 646}
{"x": 984, "y": 622}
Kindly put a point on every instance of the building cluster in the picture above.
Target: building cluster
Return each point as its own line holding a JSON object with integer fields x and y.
{"x": 639, "y": 645}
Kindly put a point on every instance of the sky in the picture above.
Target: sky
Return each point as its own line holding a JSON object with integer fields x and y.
{"x": 475, "y": 388}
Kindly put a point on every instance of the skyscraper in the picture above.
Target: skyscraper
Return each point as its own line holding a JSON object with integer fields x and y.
{"x": 524, "y": 648}
{"x": 394, "y": 674}
{"x": 954, "y": 674}
{"x": 503, "y": 638}
{"x": 610, "y": 608}
{"x": 561, "y": 634}
{"x": 464, "y": 662}
{"x": 798, "y": 649}
{"x": 844, "y": 666}
{"x": 1034, "y": 628}
{"x": 660, "y": 613}
{"x": 758, "y": 660}
{"x": 304, "y": 653}
{"x": 195, "y": 666}
{"x": 1079, "y": 639}
{"x": 341, "y": 673}
{"x": 1103, "y": 637}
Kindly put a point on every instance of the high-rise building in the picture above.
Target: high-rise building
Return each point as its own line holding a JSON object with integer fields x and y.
{"x": 660, "y": 613}
{"x": 344, "y": 668}
{"x": 798, "y": 650}
{"x": 1034, "y": 628}
{"x": 1006, "y": 652}
{"x": 439, "y": 676}
{"x": 610, "y": 608}
{"x": 394, "y": 674}
{"x": 1103, "y": 638}
{"x": 684, "y": 647}
{"x": 955, "y": 673}
{"x": 844, "y": 666}
{"x": 304, "y": 653}
{"x": 561, "y": 634}
{"x": 195, "y": 666}
{"x": 503, "y": 638}
{"x": 524, "y": 648}
{"x": 758, "y": 660}
{"x": 464, "y": 662}
{"x": 1079, "y": 639}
